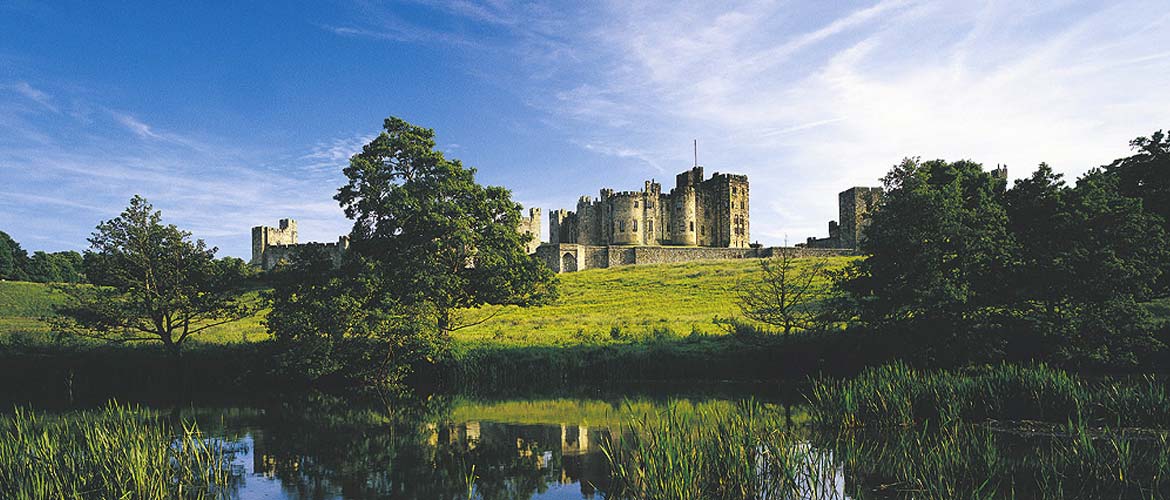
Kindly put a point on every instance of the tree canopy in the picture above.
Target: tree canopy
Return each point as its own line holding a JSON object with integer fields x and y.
{"x": 42, "y": 267}
{"x": 1042, "y": 270}
{"x": 437, "y": 241}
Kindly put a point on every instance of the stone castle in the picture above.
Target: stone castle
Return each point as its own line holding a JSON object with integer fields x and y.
{"x": 697, "y": 212}
{"x": 531, "y": 226}
{"x": 273, "y": 245}
{"x": 853, "y": 208}
{"x": 697, "y": 219}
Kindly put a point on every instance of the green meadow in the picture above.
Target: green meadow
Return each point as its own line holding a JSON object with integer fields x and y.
{"x": 625, "y": 304}
{"x": 617, "y": 305}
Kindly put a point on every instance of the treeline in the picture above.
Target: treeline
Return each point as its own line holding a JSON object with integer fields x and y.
{"x": 963, "y": 268}
{"x": 41, "y": 267}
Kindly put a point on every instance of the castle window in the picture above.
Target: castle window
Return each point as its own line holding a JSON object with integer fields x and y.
{"x": 635, "y": 204}
{"x": 703, "y": 230}
{"x": 635, "y": 227}
{"x": 649, "y": 226}
{"x": 692, "y": 229}
{"x": 622, "y": 226}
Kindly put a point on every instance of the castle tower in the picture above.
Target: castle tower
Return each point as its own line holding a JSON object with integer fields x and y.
{"x": 531, "y": 225}
{"x": 264, "y": 237}
{"x": 725, "y": 212}
{"x": 627, "y": 222}
{"x": 854, "y": 206}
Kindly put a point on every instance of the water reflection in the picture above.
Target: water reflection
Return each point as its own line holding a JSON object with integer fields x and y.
{"x": 330, "y": 450}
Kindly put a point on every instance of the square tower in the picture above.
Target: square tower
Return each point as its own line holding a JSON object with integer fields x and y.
{"x": 264, "y": 237}
{"x": 854, "y": 206}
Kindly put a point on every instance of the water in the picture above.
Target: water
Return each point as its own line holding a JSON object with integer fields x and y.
{"x": 548, "y": 448}
{"x": 318, "y": 446}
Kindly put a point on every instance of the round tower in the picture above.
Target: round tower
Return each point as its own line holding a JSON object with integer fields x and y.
{"x": 627, "y": 218}
{"x": 685, "y": 231}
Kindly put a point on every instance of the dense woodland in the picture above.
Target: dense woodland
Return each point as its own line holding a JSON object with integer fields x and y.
{"x": 41, "y": 267}
{"x": 968, "y": 269}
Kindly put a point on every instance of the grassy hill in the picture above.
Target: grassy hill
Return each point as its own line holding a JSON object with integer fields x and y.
{"x": 620, "y": 304}
{"x": 624, "y": 303}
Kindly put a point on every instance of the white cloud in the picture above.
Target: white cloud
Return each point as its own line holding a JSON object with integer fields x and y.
{"x": 135, "y": 125}
{"x": 40, "y": 97}
{"x": 809, "y": 104}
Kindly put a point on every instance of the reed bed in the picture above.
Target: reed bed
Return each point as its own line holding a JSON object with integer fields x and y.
{"x": 896, "y": 395}
{"x": 979, "y": 462}
{"x": 743, "y": 452}
{"x": 115, "y": 452}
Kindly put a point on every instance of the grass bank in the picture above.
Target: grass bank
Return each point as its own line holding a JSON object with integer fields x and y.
{"x": 742, "y": 356}
{"x": 624, "y": 304}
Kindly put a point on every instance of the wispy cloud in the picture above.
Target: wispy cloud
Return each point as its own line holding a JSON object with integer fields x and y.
{"x": 809, "y": 104}
{"x": 38, "y": 96}
{"x": 624, "y": 152}
{"x": 330, "y": 156}
{"x": 135, "y": 125}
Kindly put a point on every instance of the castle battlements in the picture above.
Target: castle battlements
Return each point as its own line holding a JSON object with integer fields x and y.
{"x": 273, "y": 245}
{"x": 697, "y": 212}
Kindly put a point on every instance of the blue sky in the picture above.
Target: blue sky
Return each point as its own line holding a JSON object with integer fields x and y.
{"x": 235, "y": 114}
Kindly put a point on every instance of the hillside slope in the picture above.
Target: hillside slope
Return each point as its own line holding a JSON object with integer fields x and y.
{"x": 624, "y": 303}
{"x": 598, "y": 305}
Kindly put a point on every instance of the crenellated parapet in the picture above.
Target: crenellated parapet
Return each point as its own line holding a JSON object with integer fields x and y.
{"x": 273, "y": 245}
{"x": 696, "y": 212}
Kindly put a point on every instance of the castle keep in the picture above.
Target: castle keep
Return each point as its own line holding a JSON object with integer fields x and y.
{"x": 273, "y": 245}
{"x": 697, "y": 212}
{"x": 697, "y": 219}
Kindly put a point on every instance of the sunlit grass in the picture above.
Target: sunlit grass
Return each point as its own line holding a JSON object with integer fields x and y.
{"x": 23, "y": 306}
{"x": 625, "y": 303}
{"x": 622, "y": 304}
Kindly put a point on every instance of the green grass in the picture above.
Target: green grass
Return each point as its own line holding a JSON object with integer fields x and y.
{"x": 23, "y": 305}
{"x": 116, "y": 452}
{"x": 624, "y": 304}
{"x": 616, "y": 305}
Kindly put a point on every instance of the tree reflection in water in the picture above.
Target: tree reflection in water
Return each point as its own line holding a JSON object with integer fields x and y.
{"x": 326, "y": 447}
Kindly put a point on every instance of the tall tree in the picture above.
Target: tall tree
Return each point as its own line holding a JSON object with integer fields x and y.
{"x": 153, "y": 284}
{"x": 438, "y": 241}
{"x": 13, "y": 259}
{"x": 936, "y": 246}
{"x": 1146, "y": 174}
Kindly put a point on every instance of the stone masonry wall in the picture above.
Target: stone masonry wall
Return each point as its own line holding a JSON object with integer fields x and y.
{"x": 573, "y": 257}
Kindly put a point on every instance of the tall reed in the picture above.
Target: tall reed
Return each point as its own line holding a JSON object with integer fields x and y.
{"x": 896, "y": 395}
{"x": 977, "y": 461}
{"x": 713, "y": 453}
{"x": 116, "y": 452}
